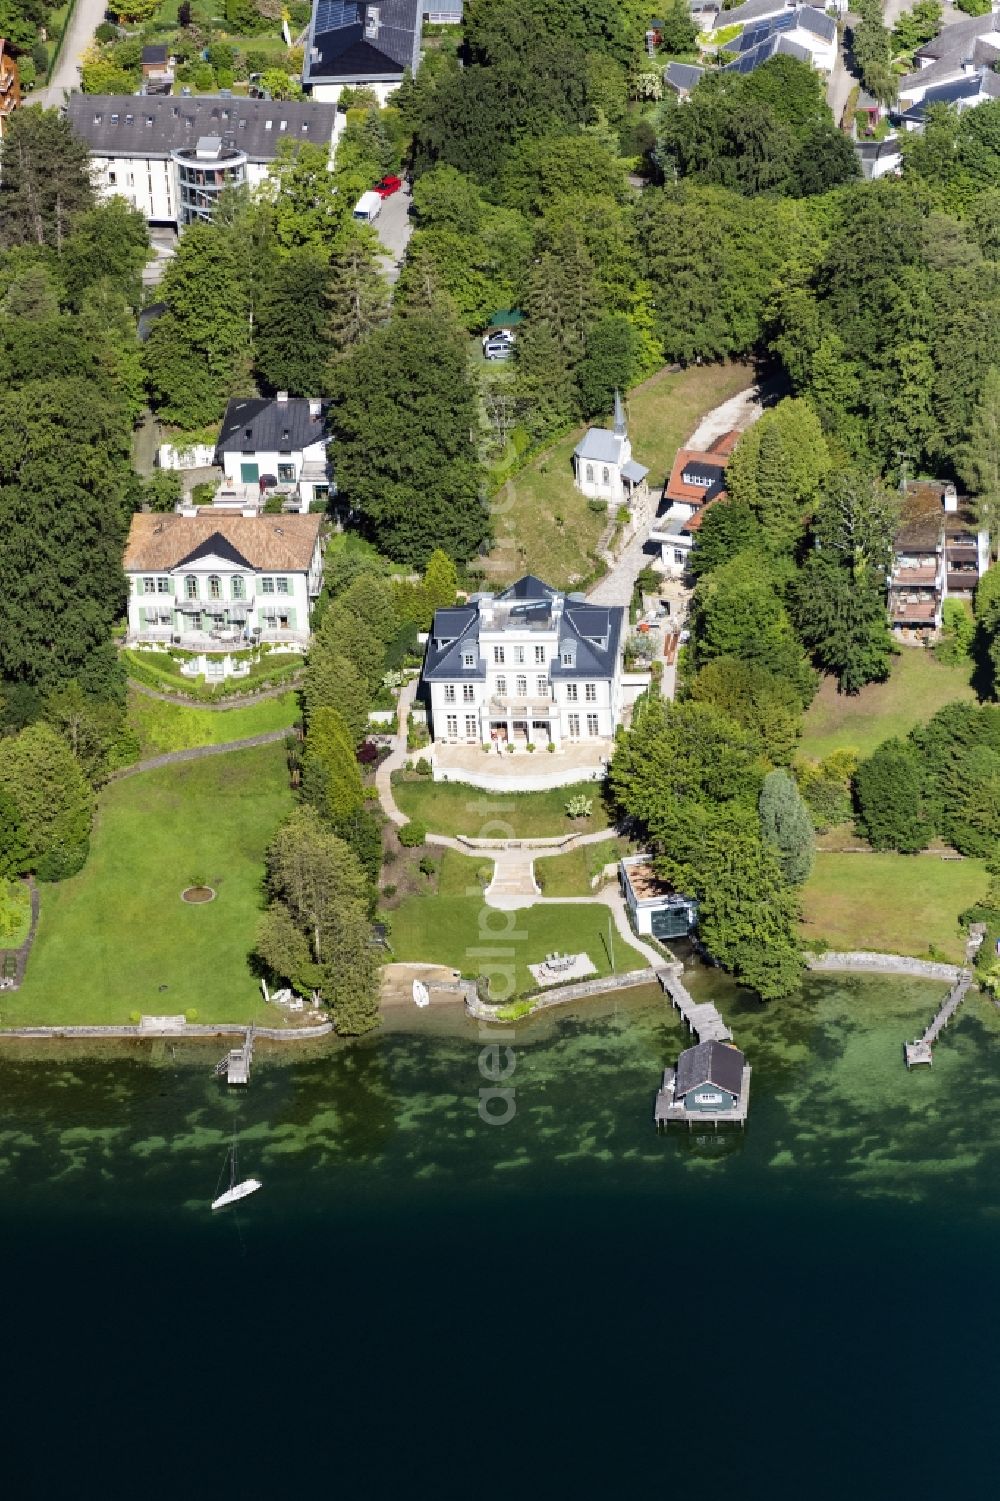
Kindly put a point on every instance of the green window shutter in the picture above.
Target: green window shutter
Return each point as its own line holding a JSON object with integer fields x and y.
{"x": 291, "y": 620}
{"x": 170, "y": 586}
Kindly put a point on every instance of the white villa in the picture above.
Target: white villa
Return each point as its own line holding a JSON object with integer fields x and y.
{"x": 528, "y": 666}
{"x": 603, "y": 467}
{"x": 281, "y": 443}
{"x": 216, "y": 585}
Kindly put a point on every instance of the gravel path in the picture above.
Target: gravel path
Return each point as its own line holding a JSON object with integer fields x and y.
{"x": 237, "y": 701}
{"x": 198, "y": 752}
{"x": 87, "y": 16}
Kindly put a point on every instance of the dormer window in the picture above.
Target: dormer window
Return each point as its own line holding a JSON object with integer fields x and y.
{"x": 114, "y": 119}
{"x": 468, "y": 659}
{"x": 98, "y": 119}
{"x": 373, "y": 20}
{"x": 568, "y": 656}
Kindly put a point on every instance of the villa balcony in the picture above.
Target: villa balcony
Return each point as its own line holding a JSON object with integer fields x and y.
{"x": 225, "y": 639}
{"x": 916, "y": 576}
{"x": 536, "y": 706}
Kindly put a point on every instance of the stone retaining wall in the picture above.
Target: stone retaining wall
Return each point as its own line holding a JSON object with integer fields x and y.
{"x": 272, "y": 1034}
{"x": 865, "y": 962}
{"x": 578, "y": 992}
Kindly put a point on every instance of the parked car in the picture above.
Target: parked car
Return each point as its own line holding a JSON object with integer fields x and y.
{"x": 498, "y": 345}
{"x": 388, "y": 185}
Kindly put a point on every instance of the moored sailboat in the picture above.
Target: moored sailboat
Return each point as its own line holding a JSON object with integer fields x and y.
{"x": 236, "y": 1189}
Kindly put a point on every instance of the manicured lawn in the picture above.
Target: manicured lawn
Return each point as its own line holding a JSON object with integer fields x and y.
{"x": 450, "y": 808}
{"x": 543, "y": 524}
{"x": 117, "y": 938}
{"x": 461, "y": 931}
{"x": 14, "y": 936}
{"x": 168, "y": 727}
{"x": 918, "y": 686}
{"x": 571, "y": 874}
{"x": 896, "y": 904}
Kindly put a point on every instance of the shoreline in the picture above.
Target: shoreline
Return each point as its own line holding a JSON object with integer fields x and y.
{"x": 451, "y": 1001}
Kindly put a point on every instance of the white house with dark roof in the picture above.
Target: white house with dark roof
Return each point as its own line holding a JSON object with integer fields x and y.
{"x": 215, "y": 585}
{"x": 603, "y": 466}
{"x": 170, "y": 158}
{"x": 361, "y": 44}
{"x": 279, "y": 442}
{"x": 528, "y": 666}
{"x": 802, "y": 32}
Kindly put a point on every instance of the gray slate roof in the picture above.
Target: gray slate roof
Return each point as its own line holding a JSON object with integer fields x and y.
{"x": 351, "y": 41}
{"x": 273, "y": 425}
{"x": 710, "y": 1063}
{"x": 750, "y": 10}
{"x": 776, "y": 45}
{"x": 148, "y": 125}
{"x": 594, "y": 630}
{"x": 960, "y": 36}
{"x": 600, "y": 445}
{"x": 682, "y": 76}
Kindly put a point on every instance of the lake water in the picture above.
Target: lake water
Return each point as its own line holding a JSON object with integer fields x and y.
{"x": 564, "y": 1304}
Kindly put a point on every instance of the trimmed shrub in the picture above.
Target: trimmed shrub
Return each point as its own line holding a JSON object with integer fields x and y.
{"x": 412, "y": 834}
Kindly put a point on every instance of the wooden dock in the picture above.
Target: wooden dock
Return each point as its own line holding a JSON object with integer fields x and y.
{"x": 237, "y": 1063}
{"x": 666, "y": 1110}
{"x": 702, "y": 1018}
{"x": 921, "y": 1049}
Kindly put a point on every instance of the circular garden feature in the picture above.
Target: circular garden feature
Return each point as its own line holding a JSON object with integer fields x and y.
{"x": 197, "y": 894}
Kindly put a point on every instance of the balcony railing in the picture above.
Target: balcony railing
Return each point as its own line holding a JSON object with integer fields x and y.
{"x": 539, "y": 706}
{"x": 904, "y": 578}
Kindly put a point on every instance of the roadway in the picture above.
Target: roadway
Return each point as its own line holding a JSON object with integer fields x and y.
{"x": 394, "y": 227}
{"x": 87, "y": 16}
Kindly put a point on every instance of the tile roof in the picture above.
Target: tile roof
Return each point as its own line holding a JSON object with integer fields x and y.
{"x": 160, "y": 543}
{"x": 709, "y": 461}
{"x": 710, "y": 1063}
{"x": 116, "y": 124}
{"x": 273, "y": 425}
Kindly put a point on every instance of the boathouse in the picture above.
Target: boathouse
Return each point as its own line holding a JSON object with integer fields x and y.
{"x": 654, "y": 906}
{"x": 709, "y": 1078}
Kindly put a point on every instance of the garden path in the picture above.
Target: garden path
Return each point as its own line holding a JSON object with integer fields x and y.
{"x": 195, "y": 753}
{"x": 235, "y": 701}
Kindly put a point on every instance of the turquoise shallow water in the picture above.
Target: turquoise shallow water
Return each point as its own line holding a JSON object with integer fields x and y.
{"x": 565, "y": 1302}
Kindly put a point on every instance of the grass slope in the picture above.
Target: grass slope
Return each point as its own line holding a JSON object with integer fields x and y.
{"x": 166, "y": 727}
{"x": 113, "y": 935}
{"x": 543, "y": 524}
{"x": 896, "y": 904}
{"x": 917, "y": 687}
{"x": 462, "y": 932}
{"x": 450, "y": 808}
{"x": 572, "y": 873}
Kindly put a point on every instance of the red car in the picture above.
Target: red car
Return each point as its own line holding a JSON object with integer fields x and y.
{"x": 388, "y": 186}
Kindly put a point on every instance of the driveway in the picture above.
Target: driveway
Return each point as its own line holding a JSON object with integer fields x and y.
{"x": 394, "y": 227}
{"x": 739, "y": 412}
{"x": 87, "y": 16}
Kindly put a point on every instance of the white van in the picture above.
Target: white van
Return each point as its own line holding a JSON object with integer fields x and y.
{"x": 368, "y": 208}
{"x": 498, "y": 345}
